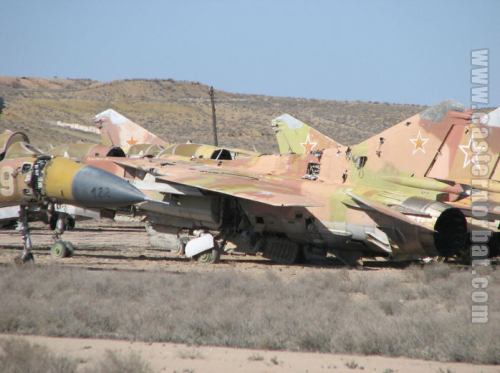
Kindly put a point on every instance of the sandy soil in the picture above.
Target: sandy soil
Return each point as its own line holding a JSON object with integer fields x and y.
{"x": 123, "y": 245}
{"x": 169, "y": 357}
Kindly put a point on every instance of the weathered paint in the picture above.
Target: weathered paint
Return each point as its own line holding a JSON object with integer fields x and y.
{"x": 58, "y": 177}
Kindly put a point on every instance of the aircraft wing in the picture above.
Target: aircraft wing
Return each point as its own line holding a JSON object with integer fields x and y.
{"x": 253, "y": 190}
{"x": 384, "y": 209}
{"x": 186, "y": 178}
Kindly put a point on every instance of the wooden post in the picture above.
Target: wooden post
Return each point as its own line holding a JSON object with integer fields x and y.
{"x": 214, "y": 119}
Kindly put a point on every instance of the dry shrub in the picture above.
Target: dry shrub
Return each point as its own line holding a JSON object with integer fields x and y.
{"x": 17, "y": 355}
{"x": 115, "y": 362}
{"x": 436, "y": 271}
{"x": 21, "y": 356}
{"x": 419, "y": 312}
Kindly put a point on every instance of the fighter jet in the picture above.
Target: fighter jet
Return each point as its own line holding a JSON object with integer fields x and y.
{"x": 137, "y": 142}
{"x": 453, "y": 155}
{"x": 37, "y": 186}
{"x": 374, "y": 199}
{"x": 447, "y": 153}
{"x": 470, "y": 147}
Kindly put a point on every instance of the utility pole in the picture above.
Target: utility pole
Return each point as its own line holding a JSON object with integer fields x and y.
{"x": 214, "y": 119}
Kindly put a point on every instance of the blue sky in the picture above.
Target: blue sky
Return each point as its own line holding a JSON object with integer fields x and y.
{"x": 413, "y": 52}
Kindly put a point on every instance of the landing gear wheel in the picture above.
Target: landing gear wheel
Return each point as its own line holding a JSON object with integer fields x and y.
{"x": 59, "y": 250}
{"x": 71, "y": 249}
{"x": 210, "y": 256}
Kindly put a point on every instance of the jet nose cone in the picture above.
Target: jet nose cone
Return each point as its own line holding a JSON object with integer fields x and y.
{"x": 93, "y": 187}
{"x": 66, "y": 181}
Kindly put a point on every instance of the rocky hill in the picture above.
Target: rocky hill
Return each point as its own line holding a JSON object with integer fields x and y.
{"x": 178, "y": 111}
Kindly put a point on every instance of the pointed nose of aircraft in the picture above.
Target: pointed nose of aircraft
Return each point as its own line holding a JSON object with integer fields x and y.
{"x": 70, "y": 182}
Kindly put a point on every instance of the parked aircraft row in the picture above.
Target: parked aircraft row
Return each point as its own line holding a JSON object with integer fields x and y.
{"x": 408, "y": 193}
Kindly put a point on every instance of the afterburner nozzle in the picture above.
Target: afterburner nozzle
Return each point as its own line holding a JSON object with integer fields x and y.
{"x": 70, "y": 182}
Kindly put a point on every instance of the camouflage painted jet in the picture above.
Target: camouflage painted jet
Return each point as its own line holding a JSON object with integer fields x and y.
{"x": 379, "y": 198}
{"x": 56, "y": 190}
{"x": 451, "y": 152}
{"x": 444, "y": 152}
{"x": 120, "y": 137}
{"x": 119, "y": 131}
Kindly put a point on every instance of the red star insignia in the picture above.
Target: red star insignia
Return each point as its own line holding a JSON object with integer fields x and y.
{"x": 308, "y": 145}
{"x": 419, "y": 143}
{"x": 132, "y": 141}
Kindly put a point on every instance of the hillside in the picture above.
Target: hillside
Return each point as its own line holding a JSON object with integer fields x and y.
{"x": 180, "y": 111}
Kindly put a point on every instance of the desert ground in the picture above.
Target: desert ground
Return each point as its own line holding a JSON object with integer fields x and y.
{"x": 171, "y": 357}
{"x": 123, "y": 246}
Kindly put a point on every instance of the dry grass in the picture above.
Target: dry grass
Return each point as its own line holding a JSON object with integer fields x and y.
{"x": 18, "y": 356}
{"x": 418, "y": 313}
{"x": 115, "y": 362}
{"x": 192, "y": 354}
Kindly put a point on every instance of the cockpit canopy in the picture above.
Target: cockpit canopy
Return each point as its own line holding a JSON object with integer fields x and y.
{"x": 22, "y": 150}
{"x": 8, "y": 138}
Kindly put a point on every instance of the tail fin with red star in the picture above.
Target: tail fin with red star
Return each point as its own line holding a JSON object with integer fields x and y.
{"x": 116, "y": 130}
{"x": 294, "y": 136}
{"x": 441, "y": 142}
{"x": 438, "y": 143}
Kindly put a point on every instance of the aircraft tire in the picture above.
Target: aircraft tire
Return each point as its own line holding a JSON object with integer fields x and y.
{"x": 59, "y": 250}
{"x": 210, "y": 256}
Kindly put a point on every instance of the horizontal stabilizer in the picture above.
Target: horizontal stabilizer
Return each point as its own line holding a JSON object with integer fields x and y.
{"x": 384, "y": 209}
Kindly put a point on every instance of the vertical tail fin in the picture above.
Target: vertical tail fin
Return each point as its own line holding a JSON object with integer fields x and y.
{"x": 429, "y": 144}
{"x": 294, "y": 136}
{"x": 116, "y": 130}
